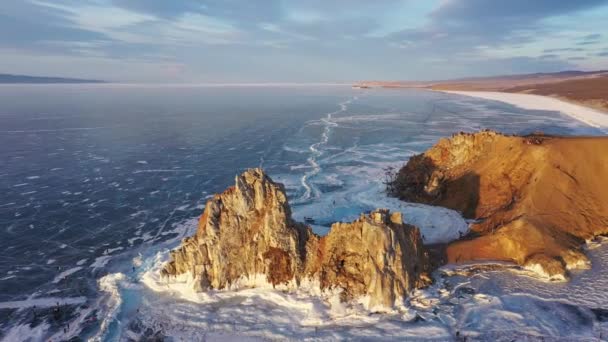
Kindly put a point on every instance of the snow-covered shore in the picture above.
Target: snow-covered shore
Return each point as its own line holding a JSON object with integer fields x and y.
{"x": 587, "y": 115}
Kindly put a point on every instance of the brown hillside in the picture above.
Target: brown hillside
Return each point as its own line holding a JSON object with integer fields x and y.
{"x": 535, "y": 198}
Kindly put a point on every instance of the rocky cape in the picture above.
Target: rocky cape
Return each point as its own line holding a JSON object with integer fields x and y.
{"x": 247, "y": 232}
{"x": 535, "y": 199}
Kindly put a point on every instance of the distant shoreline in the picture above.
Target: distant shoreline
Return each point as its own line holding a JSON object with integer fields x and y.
{"x": 26, "y": 79}
{"x": 191, "y": 85}
{"x": 589, "y": 115}
{"x": 584, "y": 88}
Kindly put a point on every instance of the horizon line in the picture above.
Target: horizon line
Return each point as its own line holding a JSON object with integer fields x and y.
{"x": 195, "y": 84}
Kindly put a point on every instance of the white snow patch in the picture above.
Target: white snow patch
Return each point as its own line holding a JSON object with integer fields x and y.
{"x": 183, "y": 207}
{"x": 266, "y": 312}
{"x": 101, "y": 261}
{"x": 110, "y": 285}
{"x": 65, "y": 274}
{"x": 131, "y": 241}
{"x": 137, "y": 261}
{"x": 25, "y": 333}
{"x": 540, "y": 271}
{"x": 112, "y": 250}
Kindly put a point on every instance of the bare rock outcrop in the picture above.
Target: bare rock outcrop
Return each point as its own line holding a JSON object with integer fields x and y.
{"x": 377, "y": 256}
{"x": 535, "y": 198}
{"x": 247, "y": 232}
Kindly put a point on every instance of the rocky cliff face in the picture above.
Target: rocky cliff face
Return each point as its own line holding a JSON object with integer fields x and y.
{"x": 247, "y": 231}
{"x": 377, "y": 256}
{"x": 535, "y": 198}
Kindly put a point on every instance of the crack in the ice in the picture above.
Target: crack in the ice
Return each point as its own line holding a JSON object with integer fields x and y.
{"x": 310, "y": 190}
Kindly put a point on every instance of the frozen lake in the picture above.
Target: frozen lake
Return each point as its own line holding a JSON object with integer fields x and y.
{"x": 100, "y": 181}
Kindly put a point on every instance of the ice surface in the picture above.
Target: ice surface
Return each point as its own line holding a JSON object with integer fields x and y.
{"x": 341, "y": 182}
{"x": 41, "y": 302}
{"x": 331, "y": 153}
{"x": 489, "y": 305}
{"x": 25, "y": 333}
{"x": 337, "y": 183}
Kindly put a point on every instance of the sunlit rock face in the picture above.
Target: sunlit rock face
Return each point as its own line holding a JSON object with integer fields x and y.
{"x": 247, "y": 231}
{"x": 535, "y": 198}
{"x": 377, "y": 256}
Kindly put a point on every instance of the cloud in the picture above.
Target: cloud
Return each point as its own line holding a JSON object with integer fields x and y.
{"x": 31, "y": 25}
{"x": 239, "y": 13}
{"x": 590, "y": 39}
{"x": 161, "y": 8}
{"x": 477, "y": 11}
{"x": 97, "y": 18}
{"x": 563, "y": 50}
{"x": 589, "y": 42}
{"x": 593, "y": 36}
{"x": 481, "y": 30}
{"x": 304, "y": 40}
{"x": 499, "y": 22}
{"x": 128, "y": 26}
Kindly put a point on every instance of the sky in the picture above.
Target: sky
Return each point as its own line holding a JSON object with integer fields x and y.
{"x": 240, "y": 41}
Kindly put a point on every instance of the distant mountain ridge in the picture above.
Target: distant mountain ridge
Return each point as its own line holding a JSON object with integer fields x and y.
{"x": 24, "y": 79}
